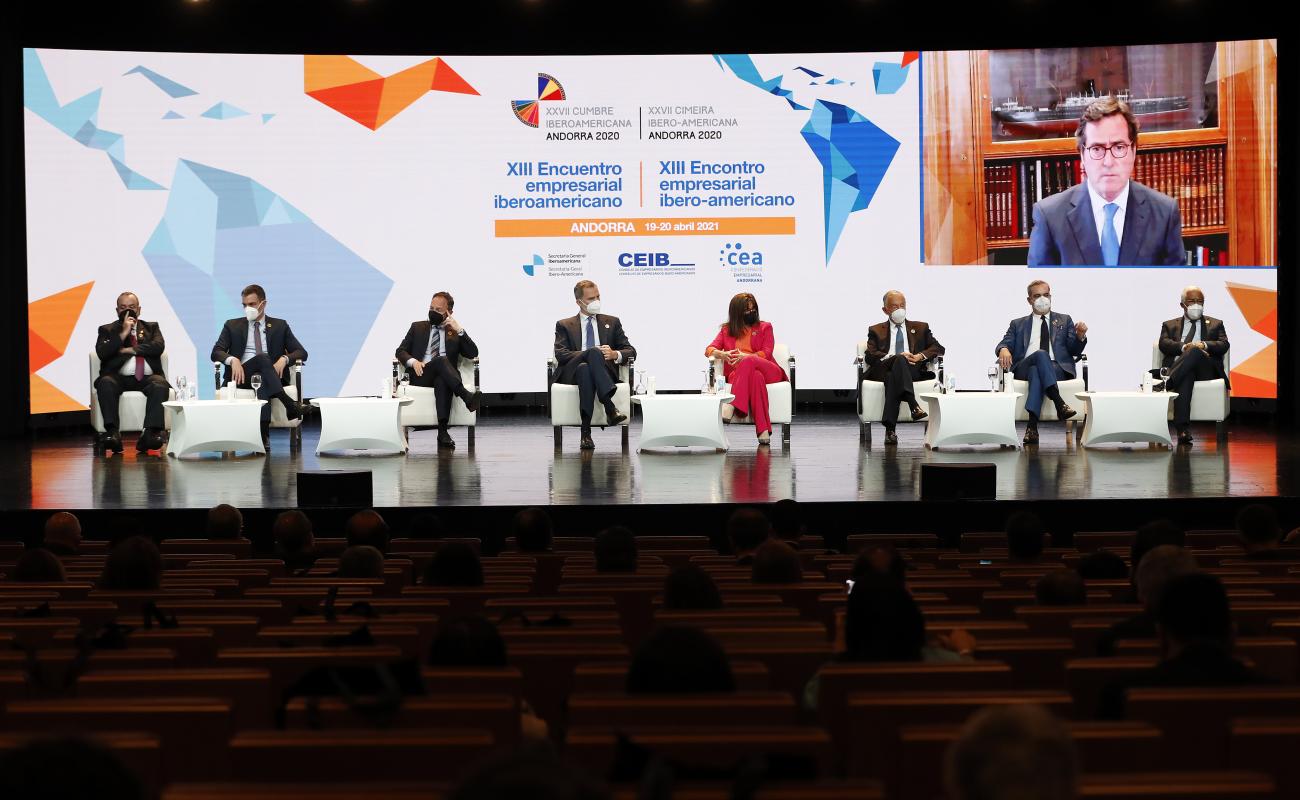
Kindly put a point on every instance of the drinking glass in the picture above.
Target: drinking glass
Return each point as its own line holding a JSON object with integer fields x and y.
{"x": 256, "y": 383}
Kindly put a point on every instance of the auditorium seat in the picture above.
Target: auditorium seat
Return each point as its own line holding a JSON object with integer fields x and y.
{"x": 53, "y": 664}
{"x": 498, "y": 714}
{"x": 836, "y": 681}
{"x": 1182, "y": 785}
{"x": 239, "y": 548}
{"x": 13, "y": 685}
{"x": 1036, "y": 663}
{"x": 193, "y": 646}
{"x": 1087, "y": 677}
{"x": 620, "y": 711}
{"x": 611, "y": 676}
{"x": 1273, "y": 656}
{"x": 69, "y": 590}
{"x": 193, "y": 730}
{"x": 265, "y": 611}
{"x": 248, "y": 690}
{"x": 547, "y": 671}
{"x": 789, "y": 790}
{"x": 1117, "y": 747}
{"x": 489, "y": 680}
{"x": 36, "y": 632}
{"x": 387, "y": 789}
{"x": 1268, "y": 745}
{"x": 400, "y": 755}
{"x": 286, "y": 665}
{"x": 1055, "y": 620}
{"x": 406, "y": 638}
{"x": 901, "y": 541}
{"x": 139, "y": 752}
{"x": 871, "y": 741}
{"x": 717, "y": 747}
{"x": 1195, "y": 721}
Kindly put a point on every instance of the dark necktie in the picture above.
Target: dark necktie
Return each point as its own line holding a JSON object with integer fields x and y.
{"x": 899, "y": 347}
{"x": 139, "y": 360}
{"x": 591, "y": 336}
{"x": 435, "y": 344}
{"x": 258, "y": 349}
{"x": 1044, "y": 341}
{"x": 1191, "y": 333}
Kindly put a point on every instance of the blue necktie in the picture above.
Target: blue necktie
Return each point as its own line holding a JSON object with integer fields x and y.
{"x": 1109, "y": 240}
{"x": 898, "y": 340}
{"x": 591, "y": 336}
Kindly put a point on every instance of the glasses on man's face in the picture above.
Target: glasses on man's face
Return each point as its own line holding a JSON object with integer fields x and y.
{"x": 1098, "y": 151}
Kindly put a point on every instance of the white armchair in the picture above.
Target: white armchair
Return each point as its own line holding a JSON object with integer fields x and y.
{"x": 780, "y": 396}
{"x": 1047, "y": 413}
{"x": 130, "y": 408}
{"x": 423, "y": 410}
{"x": 1211, "y": 400}
{"x": 871, "y": 397}
{"x": 562, "y": 399}
{"x": 292, "y": 387}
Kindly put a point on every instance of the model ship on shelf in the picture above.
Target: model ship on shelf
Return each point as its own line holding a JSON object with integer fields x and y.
{"x": 1153, "y": 113}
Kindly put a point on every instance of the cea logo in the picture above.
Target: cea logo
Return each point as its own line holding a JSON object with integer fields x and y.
{"x": 648, "y": 260}
{"x": 530, "y": 268}
{"x": 735, "y": 255}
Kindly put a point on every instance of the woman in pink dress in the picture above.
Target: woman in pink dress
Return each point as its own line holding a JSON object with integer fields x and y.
{"x": 744, "y": 343}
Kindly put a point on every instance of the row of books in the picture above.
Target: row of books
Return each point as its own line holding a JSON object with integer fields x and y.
{"x": 1201, "y": 256}
{"x": 1193, "y": 176}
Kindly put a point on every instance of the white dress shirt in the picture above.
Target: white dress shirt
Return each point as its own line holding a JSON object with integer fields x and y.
{"x": 250, "y": 346}
{"x": 1099, "y": 211}
{"x": 595, "y": 328}
{"x": 128, "y": 368}
{"x": 1035, "y": 326}
{"x": 893, "y": 338}
{"x": 442, "y": 346}
{"x": 1197, "y": 325}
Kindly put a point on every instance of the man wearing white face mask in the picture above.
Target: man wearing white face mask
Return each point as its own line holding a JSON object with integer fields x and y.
{"x": 1193, "y": 346}
{"x": 1041, "y": 348}
{"x": 589, "y": 347}
{"x": 256, "y": 343}
{"x": 898, "y": 351}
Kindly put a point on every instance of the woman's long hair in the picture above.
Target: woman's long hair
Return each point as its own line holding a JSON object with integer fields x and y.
{"x": 736, "y": 313}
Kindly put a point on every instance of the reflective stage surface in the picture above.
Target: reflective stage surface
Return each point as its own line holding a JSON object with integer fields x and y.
{"x": 515, "y": 463}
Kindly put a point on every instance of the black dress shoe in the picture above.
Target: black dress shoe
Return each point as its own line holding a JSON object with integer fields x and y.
{"x": 292, "y": 410}
{"x": 445, "y": 441}
{"x": 475, "y": 400}
{"x": 149, "y": 440}
{"x": 1031, "y": 436}
{"x": 1184, "y": 437}
{"x": 586, "y": 443}
{"x": 1064, "y": 412}
{"x": 110, "y": 440}
{"x": 615, "y": 417}
{"x": 891, "y": 437}
{"x": 919, "y": 414}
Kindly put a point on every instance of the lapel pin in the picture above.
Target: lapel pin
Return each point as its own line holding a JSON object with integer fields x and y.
{"x": 606, "y": 324}
{"x": 913, "y": 330}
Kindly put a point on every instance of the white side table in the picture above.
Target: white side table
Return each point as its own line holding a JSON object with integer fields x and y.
{"x": 958, "y": 418}
{"x": 682, "y": 420}
{"x": 361, "y": 423}
{"x": 215, "y": 425}
{"x": 1126, "y": 417}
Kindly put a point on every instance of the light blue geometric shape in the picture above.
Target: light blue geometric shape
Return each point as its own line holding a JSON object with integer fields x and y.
{"x": 172, "y": 115}
{"x": 168, "y": 85}
{"x": 224, "y": 110}
{"x": 78, "y": 120}
{"x": 855, "y": 154}
{"x": 530, "y": 269}
{"x": 889, "y": 78}
{"x": 222, "y": 231}
{"x": 267, "y": 118}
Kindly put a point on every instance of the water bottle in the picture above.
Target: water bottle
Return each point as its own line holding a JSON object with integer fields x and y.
{"x": 652, "y": 384}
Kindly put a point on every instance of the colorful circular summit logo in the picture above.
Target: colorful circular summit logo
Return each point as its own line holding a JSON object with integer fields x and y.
{"x": 548, "y": 90}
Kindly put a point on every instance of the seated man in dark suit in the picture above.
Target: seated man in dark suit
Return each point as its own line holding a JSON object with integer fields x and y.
{"x": 1108, "y": 220}
{"x": 1193, "y": 346}
{"x": 130, "y": 360}
{"x": 261, "y": 345}
{"x": 898, "y": 350}
{"x": 589, "y": 347}
{"x": 432, "y": 351}
{"x": 1195, "y": 627}
{"x": 1041, "y": 349}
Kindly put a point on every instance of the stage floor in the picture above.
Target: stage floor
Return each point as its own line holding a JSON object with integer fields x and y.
{"x": 514, "y": 463}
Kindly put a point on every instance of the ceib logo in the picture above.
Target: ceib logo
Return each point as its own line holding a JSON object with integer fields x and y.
{"x": 529, "y": 111}
{"x": 530, "y": 269}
